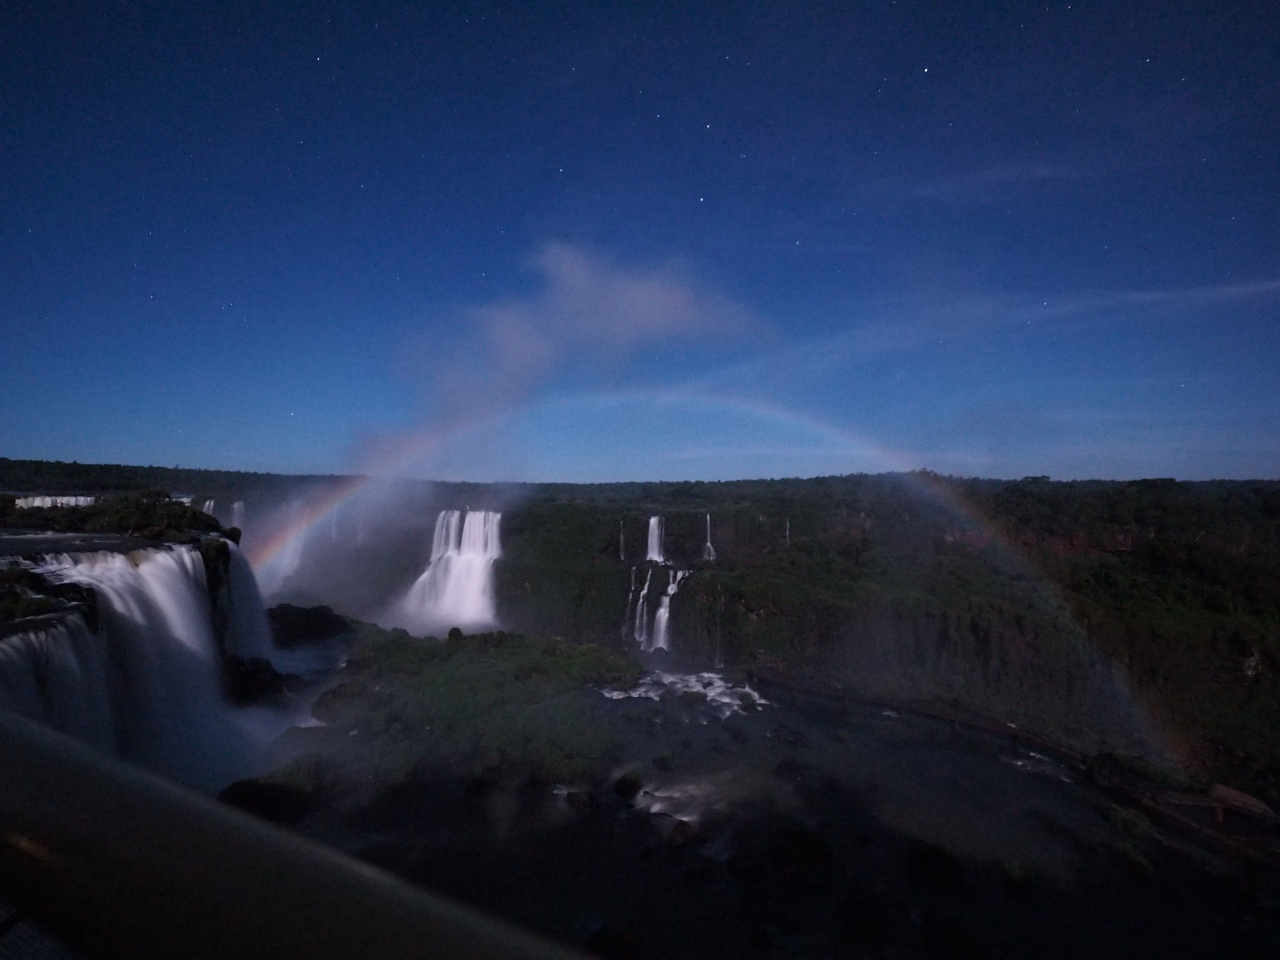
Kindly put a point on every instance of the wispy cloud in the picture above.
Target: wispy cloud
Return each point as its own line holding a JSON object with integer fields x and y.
{"x": 885, "y": 328}
{"x": 982, "y": 185}
{"x": 587, "y": 323}
{"x": 587, "y": 317}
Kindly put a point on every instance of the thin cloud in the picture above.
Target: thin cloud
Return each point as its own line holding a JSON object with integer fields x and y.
{"x": 985, "y": 185}
{"x": 896, "y": 328}
{"x": 585, "y": 324}
{"x": 587, "y": 318}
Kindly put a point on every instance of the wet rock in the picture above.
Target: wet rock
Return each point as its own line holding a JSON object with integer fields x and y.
{"x": 929, "y": 865}
{"x": 253, "y": 679}
{"x": 614, "y": 942}
{"x": 295, "y": 626}
{"x": 1241, "y": 801}
{"x": 681, "y": 833}
{"x": 270, "y": 801}
{"x": 627, "y": 786}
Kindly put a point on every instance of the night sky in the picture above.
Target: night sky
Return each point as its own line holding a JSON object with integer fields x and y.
{"x": 643, "y": 241}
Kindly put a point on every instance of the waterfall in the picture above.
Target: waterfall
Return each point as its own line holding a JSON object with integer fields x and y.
{"x": 25, "y": 503}
{"x": 661, "y": 637}
{"x": 456, "y": 589}
{"x": 146, "y": 685}
{"x": 237, "y": 514}
{"x": 626, "y": 611}
{"x": 708, "y": 551}
{"x": 656, "y": 536}
{"x": 642, "y": 619}
{"x": 622, "y": 545}
{"x": 208, "y": 507}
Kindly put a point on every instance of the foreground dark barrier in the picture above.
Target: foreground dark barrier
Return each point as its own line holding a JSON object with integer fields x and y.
{"x": 120, "y": 863}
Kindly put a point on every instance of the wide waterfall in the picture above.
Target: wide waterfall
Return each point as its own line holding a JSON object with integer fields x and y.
{"x": 656, "y": 536}
{"x": 145, "y": 683}
{"x": 456, "y": 589}
{"x": 26, "y": 503}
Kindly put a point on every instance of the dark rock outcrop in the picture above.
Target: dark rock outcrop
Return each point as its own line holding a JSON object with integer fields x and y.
{"x": 295, "y": 626}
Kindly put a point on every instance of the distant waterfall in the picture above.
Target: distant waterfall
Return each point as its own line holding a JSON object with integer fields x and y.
{"x": 642, "y": 619}
{"x": 656, "y": 537}
{"x": 456, "y": 589}
{"x": 708, "y": 551}
{"x": 622, "y": 544}
{"x": 237, "y": 514}
{"x": 147, "y": 684}
{"x": 661, "y": 636}
{"x": 208, "y": 507}
{"x": 26, "y": 503}
{"x": 626, "y": 611}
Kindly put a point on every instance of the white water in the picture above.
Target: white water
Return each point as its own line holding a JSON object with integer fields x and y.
{"x": 661, "y": 637}
{"x": 147, "y": 686}
{"x": 723, "y": 698}
{"x": 656, "y": 532}
{"x": 208, "y": 507}
{"x": 26, "y": 503}
{"x": 237, "y": 514}
{"x": 456, "y": 589}
{"x": 626, "y": 612}
{"x": 708, "y": 551}
{"x": 642, "y": 619}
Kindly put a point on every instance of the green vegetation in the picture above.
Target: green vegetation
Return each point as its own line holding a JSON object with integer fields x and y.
{"x": 494, "y": 704}
{"x": 1009, "y": 598}
{"x": 24, "y": 593}
{"x": 150, "y": 514}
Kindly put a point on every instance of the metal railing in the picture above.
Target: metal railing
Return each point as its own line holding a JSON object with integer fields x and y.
{"x": 117, "y": 862}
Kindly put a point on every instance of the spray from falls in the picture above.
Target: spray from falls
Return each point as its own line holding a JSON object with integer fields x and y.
{"x": 708, "y": 551}
{"x": 237, "y": 514}
{"x": 656, "y": 536}
{"x": 456, "y": 589}
{"x": 275, "y": 573}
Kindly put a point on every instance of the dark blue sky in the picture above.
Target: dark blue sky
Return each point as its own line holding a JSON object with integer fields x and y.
{"x": 637, "y": 241}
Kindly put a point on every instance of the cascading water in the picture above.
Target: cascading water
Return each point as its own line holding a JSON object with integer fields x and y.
{"x": 237, "y": 514}
{"x": 146, "y": 685}
{"x": 626, "y": 611}
{"x": 661, "y": 637}
{"x": 208, "y": 507}
{"x": 656, "y": 536}
{"x": 456, "y": 589}
{"x": 708, "y": 551}
{"x": 642, "y": 619}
